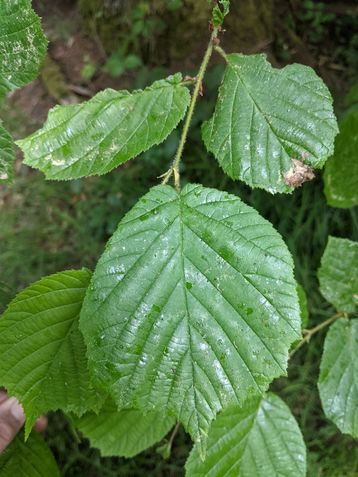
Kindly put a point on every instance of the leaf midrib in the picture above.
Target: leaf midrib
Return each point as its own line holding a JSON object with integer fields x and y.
{"x": 187, "y": 318}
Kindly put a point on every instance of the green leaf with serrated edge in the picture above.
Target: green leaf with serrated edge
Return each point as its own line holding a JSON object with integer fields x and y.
{"x": 7, "y": 156}
{"x": 220, "y": 11}
{"x": 341, "y": 172}
{"x": 125, "y": 432}
{"x": 22, "y": 44}
{"x": 42, "y": 354}
{"x": 30, "y": 459}
{"x": 192, "y": 306}
{"x": 302, "y": 298}
{"x": 266, "y": 117}
{"x": 338, "y": 274}
{"x": 114, "y": 126}
{"x": 259, "y": 439}
{"x": 338, "y": 379}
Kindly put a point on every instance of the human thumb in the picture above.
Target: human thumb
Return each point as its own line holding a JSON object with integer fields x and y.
{"x": 12, "y": 418}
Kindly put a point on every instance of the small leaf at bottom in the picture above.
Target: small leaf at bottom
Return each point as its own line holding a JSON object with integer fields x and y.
{"x": 259, "y": 439}
{"x": 125, "y": 432}
{"x": 30, "y": 459}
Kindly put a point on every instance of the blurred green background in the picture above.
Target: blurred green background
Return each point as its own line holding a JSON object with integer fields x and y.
{"x": 51, "y": 226}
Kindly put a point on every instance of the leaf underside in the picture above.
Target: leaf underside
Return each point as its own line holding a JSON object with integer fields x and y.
{"x": 123, "y": 433}
{"x": 338, "y": 276}
{"x": 192, "y": 306}
{"x": 22, "y": 44}
{"x": 30, "y": 459}
{"x": 338, "y": 380}
{"x": 7, "y": 156}
{"x": 42, "y": 354}
{"x": 341, "y": 172}
{"x": 259, "y": 439}
{"x": 266, "y": 117}
{"x": 98, "y": 135}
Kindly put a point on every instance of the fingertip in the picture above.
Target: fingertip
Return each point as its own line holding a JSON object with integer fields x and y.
{"x": 41, "y": 424}
{"x": 16, "y": 410}
{"x": 12, "y": 418}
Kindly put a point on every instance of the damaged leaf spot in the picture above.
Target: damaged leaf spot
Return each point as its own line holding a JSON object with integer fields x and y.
{"x": 298, "y": 174}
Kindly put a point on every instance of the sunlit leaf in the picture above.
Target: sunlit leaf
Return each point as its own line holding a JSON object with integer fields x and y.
{"x": 192, "y": 306}
{"x": 114, "y": 126}
{"x": 266, "y": 117}
{"x": 259, "y": 439}
{"x": 22, "y": 44}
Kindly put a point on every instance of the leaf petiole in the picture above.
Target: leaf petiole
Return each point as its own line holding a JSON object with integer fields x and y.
{"x": 198, "y": 88}
{"x": 221, "y": 52}
{"x": 309, "y": 333}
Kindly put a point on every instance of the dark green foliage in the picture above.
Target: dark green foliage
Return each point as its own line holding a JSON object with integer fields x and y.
{"x": 180, "y": 256}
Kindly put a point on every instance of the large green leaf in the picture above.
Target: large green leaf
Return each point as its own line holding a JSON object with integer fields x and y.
{"x": 7, "y": 156}
{"x": 338, "y": 274}
{"x": 260, "y": 439}
{"x": 192, "y": 306}
{"x": 338, "y": 380}
{"x": 123, "y": 433}
{"x": 266, "y": 117}
{"x": 32, "y": 459}
{"x": 42, "y": 354}
{"x": 341, "y": 172}
{"x": 22, "y": 44}
{"x": 109, "y": 129}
